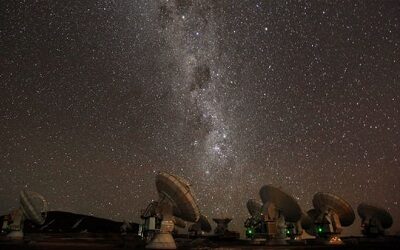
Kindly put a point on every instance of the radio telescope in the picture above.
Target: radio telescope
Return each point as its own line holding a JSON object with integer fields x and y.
{"x": 281, "y": 213}
{"x": 255, "y": 226}
{"x": 330, "y": 214}
{"x": 176, "y": 201}
{"x": 33, "y": 207}
{"x": 374, "y": 220}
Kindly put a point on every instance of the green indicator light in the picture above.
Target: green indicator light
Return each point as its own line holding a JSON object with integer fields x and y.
{"x": 319, "y": 229}
{"x": 249, "y": 232}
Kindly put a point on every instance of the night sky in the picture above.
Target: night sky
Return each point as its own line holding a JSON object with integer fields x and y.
{"x": 96, "y": 97}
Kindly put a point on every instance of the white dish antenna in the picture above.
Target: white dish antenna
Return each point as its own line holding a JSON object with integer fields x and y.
{"x": 33, "y": 207}
{"x": 330, "y": 214}
{"x": 176, "y": 204}
{"x": 281, "y": 213}
{"x": 284, "y": 203}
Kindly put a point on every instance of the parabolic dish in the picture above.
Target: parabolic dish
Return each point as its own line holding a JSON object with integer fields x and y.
{"x": 254, "y": 207}
{"x": 368, "y": 211}
{"x": 324, "y": 201}
{"x": 283, "y": 202}
{"x": 178, "y": 193}
{"x": 30, "y": 207}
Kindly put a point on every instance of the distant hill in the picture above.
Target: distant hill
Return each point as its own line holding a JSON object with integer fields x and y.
{"x": 65, "y": 222}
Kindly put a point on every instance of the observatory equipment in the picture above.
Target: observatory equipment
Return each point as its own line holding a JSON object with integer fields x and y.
{"x": 255, "y": 226}
{"x": 294, "y": 230}
{"x": 254, "y": 207}
{"x": 33, "y": 207}
{"x": 330, "y": 214}
{"x": 152, "y": 221}
{"x": 284, "y": 203}
{"x": 222, "y": 225}
{"x": 281, "y": 214}
{"x": 201, "y": 226}
{"x": 374, "y": 220}
{"x": 222, "y": 230}
{"x": 306, "y": 221}
{"x": 176, "y": 205}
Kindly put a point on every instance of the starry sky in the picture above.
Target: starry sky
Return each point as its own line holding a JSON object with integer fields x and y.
{"x": 96, "y": 97}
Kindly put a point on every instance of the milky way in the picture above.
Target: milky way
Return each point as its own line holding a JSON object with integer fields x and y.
{"x": 96, "y": 98}
{"x": 190, "y": 31}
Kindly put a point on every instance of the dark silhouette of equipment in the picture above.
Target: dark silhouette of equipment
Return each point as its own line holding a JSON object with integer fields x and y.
{"x": 200, "y": 227}
{"x": 222, "y": 230}
{"x": 374, "y": 220}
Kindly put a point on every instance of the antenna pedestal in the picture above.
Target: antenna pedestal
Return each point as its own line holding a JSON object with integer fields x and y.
{"x": 17, "y": 226}
{"x": 16, "y": 235}
{"x": 163, "y": 239}
{"x": 275, "y": 236}
{"x": 271, "y": 229}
